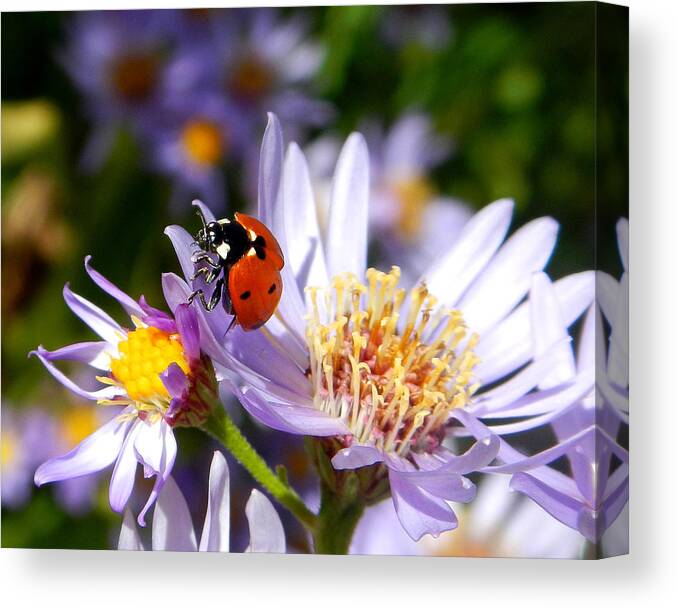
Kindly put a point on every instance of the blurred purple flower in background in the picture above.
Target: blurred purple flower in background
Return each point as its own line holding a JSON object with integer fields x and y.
{"x": 172, "y": 528}
{"x": 191, "y": 140}
{"x": 116, "y": 59}
{"x": 27, "y": 438}
{"x": 378, "y": 372}
{"x": 192, "y": 86}
{"x": 156, "y": 374}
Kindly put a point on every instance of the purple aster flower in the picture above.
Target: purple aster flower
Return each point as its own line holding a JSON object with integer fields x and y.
{"x": 193, "y": 139}
{"x": 260, "y": 61}
{"x": 116, "y": 59}
{"x": 155, "y": 372}
{"x": 586, "y": 426}
{"x": 173, "y": 530}
{"x": 26, "y": 435}
{"x": 375, "y": 370}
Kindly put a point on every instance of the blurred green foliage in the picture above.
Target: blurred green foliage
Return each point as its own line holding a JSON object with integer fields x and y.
{"x": 516, "y": 87}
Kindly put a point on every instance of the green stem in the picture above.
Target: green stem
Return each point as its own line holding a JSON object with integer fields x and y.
{"x": 337, "y": 521}
{"x": 220, "y": 426}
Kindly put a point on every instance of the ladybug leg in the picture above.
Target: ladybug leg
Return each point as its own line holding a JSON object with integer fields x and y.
{"x": 216, "y": 295}
{"x": 205, "y": 257}
{"x": 210, "y": 274}
{"x": 197, "y": 294}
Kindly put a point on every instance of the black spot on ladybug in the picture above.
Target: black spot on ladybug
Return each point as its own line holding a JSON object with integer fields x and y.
{"x": 272, "y": 288}
{"x": 259, "y": 242}
{"x": 245, "y": 295}
{"x": 261, "y": 254}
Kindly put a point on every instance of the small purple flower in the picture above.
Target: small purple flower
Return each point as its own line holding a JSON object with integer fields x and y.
{"x": 26, "y": 435}
{"x": 117, "y": 60}
{"x": 173, "y": 530}
{"x": 155, "y": 373}
{"x": 378, "y": 372}
{"x": 192, "y": 140}
{"x": 259, "y": 61}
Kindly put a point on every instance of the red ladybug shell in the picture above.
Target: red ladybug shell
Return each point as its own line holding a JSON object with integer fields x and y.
{"x": 254, "y": 283}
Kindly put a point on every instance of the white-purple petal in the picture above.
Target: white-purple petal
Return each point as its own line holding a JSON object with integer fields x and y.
{"x": 270, "y": 173}
{"x": 122, "y": 480}
{"x": 175, "y": 380}
{"x": 93, "y": 353}
{"x": 189, "y": 330}
{"x": 346, "y": 247}
{"x": 108, "y": 392}
{"x": 130, "y": 305}
{"x": 420, "y": 512}
{"x": 129, "y": 535}
{"x": 97, "y": 319}
{"x": 506, "y": 279}
{"x": 302, "y": 420}
{"x": 93, "y": 454}
{"x": 355, "y": 456}
{"x": 216, "y": 530}
{"x": 266, "y": 529}
{"x": 167, "y": 463}
{"x": 453, "y": 273}
{"x": 172, "y": 528}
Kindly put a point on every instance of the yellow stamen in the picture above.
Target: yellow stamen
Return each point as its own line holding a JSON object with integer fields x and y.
{"x": 144, "y": 355}
{"x": 394, "y": 389}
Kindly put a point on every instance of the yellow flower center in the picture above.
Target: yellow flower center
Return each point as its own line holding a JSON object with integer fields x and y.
{"x": 8, "y": 449}
{"x": 77, "y": 423}
{"x": 394, "y": 387}
{"x": 203, "y": 141}
{"x": 413, "y": 194}
{"x": 134, "y": 76}
{"x": 251, "y": 79}
{"x": 144, "y": 355}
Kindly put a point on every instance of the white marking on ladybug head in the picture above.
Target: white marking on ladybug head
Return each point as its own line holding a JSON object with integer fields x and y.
{"x": 224, "y": 221}
{"x": 252, "y": 252}
{"x": 252, "y": 234}
{"x": 223, "y": 249}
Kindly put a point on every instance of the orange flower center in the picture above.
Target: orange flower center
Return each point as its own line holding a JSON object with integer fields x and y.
{"x": 203, "y": 141}
{"x": 134, "y": 76}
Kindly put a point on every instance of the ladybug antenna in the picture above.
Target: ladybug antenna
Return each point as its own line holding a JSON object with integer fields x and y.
{"x": 200, "y": 215}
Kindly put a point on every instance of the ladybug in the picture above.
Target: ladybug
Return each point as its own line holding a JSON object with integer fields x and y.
{"x": 246, "y": 272}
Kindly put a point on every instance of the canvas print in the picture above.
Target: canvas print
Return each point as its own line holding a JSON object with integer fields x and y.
{"x": 333, "y": 280}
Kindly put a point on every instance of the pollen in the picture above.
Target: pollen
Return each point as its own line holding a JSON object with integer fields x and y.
{"x": 203, "y": 141}
{"x": 393, "y": 364}
{"x": 144, "y": 355}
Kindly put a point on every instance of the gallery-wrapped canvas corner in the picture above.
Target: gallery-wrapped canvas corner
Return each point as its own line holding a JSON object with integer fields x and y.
{"x": 334, "y": 280}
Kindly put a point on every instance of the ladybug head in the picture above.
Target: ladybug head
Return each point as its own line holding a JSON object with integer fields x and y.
{"x": 210, "y": 236}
